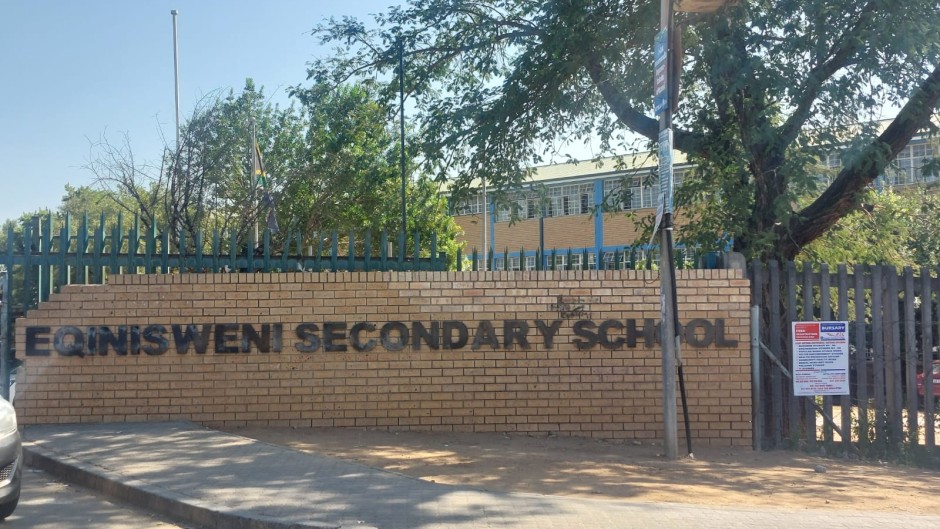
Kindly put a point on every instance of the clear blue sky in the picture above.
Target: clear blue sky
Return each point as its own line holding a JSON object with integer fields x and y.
{"x": 74, "y": 70}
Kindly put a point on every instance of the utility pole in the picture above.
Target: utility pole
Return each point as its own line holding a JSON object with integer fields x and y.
{"x": 662, "y": 66}
{"x": 665, "y": 98}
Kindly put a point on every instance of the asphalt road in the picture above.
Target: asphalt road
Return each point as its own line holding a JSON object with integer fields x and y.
{"x": 47, "y": 503}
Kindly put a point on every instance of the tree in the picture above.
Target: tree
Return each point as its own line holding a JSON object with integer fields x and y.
{"x": 347, "y": 163}
{"x": 349, "y": 177}
{"x": 768, "y": 87}
{"x": 331, "y": 162}
{"x": 206, "y": 182}
{"x": 83, "y": 200}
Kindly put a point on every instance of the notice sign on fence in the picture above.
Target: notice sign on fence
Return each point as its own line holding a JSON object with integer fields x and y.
{"x": 820, "y": 358}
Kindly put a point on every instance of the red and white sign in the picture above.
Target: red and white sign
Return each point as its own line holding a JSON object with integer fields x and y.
{"x": 820, "y": 358}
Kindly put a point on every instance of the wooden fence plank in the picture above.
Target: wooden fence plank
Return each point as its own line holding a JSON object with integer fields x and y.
{"x": 927, "y": 344}
{"x": 845, "y": 401}
{"x": 878, "y": 356}
{"x": 861, "y": 357}
{"x": 893, "y": 371}
{"x": 809, "y": 409}
{"x": 759, "y": 401}
{"x": 910, "y": 356}
{"x": 794, "y": 402}
{"x": 778, "y": 383}
{"x": 825, "y": 314}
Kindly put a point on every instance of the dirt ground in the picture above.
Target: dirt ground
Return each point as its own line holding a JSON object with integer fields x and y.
{"x": 580, "y": 467}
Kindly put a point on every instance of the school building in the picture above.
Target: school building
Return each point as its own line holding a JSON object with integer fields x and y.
{"x": 560, "y": 209}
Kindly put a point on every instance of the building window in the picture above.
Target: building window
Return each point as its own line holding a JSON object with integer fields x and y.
{"x": 576, "y": 261}
{"x": 500, "y": 263}
{"x": 642, "y": 191}
{"x": 609, "y": 260}
{"x": 557, "y": 201}
{"x": 530, "y": 262}
{"x": 572, "y": 199}
{"x": 650, "y": 255}
{"x": 471, "y": 206}
{"x": 908, "y": 167}
{"x": 561, "y": 262}
{"x": 514, "y": 263}
{"x": 531, "y": 209}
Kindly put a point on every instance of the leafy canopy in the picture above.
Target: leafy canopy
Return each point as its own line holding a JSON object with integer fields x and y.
{"x": 766, "y": 88}
{"x": 331, "y": 159}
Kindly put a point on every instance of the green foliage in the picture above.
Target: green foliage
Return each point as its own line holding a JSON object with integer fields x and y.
{"x": 924, "y": 237}
{"x": 767, "y": 88}
{"x": 210, "y": 184}
{"x": 896, "y": 227}
{"x": 84, "y": 200}
{"x": 347, "y": 169}
{"x": 332, "y": 164}
{"x": 877, "y": 233}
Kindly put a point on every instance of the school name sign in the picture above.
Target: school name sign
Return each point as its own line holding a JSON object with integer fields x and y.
{"x": 365, "y": 336}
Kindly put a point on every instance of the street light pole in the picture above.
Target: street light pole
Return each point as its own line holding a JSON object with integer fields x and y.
{"x": 401, "y": 110}
{"x": 176, "y": 77}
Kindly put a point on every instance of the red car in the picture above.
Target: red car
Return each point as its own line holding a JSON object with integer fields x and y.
{"x": 936, "y": 380}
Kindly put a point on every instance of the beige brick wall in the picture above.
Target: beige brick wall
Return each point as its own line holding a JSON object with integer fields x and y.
{"x": 601, "y": 392}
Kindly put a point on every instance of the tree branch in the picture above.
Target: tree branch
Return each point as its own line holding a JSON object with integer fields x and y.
{"x": 844, "y": 192}
{"x": 638, "y": 122}
{"x": 839, "y": 56}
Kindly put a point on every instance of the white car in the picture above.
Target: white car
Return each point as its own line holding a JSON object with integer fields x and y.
{"x": 11, "y": 460}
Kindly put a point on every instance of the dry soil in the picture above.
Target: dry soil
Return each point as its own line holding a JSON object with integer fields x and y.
{"x": 578, "y": 467}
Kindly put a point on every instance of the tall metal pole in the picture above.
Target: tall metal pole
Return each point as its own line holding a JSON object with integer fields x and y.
{"x": 6, "y": 357}
{"x": 176, "y": 77}
{"x": 401, "y": 108}
{"x": 486, "y": 228}
{"x": 669, "y": 336}
{"x": 542, "y": 236}
{"x": 255, "y": 163}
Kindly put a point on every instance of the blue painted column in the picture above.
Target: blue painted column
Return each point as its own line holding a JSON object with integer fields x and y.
{"x": 491, "y": 209}
{"x": 598, "y": 221}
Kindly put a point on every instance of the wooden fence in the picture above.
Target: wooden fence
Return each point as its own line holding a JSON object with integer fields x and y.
{"x": 894, "y": 333}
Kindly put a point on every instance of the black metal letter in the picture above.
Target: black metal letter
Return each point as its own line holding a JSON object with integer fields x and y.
{"x": 34, "y": 339}
{"x": 354, "y": 337}
{"x": 485, "y": 334}
{"x": 462, "y": 335}
{"x": 307, "y": 332}
{"x": 583, "y": 328}
{"x": 548, "y": 332}
{"x": 386, "y": 336}
{"x": 226, "y": 332}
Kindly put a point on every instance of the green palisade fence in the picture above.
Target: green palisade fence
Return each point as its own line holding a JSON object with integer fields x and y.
{"x": 41, "y": 260}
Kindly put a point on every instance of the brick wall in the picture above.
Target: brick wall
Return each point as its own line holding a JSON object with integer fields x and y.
{"x": 267, "y": 359}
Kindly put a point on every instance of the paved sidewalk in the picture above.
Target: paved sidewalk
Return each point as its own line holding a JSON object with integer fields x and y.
{"x": 221, "y": 480}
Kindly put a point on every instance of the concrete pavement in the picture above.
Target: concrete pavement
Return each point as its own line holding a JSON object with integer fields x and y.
{"x": 221, "y": 480}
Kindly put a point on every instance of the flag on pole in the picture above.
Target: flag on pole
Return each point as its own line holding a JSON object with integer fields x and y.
{"x": 261, "y": 180}
{"x": 257, "y": 165}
